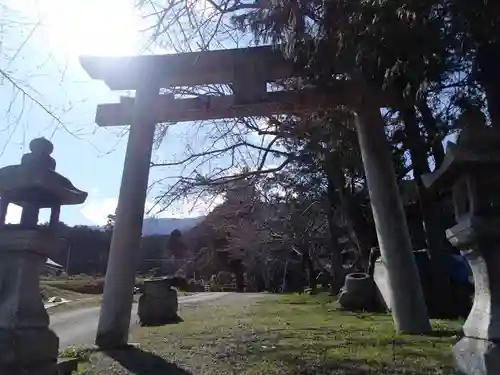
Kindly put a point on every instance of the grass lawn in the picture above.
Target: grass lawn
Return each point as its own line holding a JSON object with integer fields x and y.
{"x": 278, "y": 335}
{"x": 72, "y": 288}
{"x": 49, "y": 290}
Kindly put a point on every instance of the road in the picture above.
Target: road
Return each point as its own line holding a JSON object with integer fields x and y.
{"x": 78, "y": 327}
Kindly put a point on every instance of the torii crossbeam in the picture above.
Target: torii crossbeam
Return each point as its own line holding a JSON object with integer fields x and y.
{"x": 248, "y": 71}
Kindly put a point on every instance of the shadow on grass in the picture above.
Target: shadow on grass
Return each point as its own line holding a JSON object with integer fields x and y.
{"x": 140, "y": 362}
{"x": 159, "y": 323}
{"x": 445, "y": 333}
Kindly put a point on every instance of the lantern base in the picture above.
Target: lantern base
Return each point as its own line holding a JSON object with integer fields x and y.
{"x": 475, "y": 356}
{"x": 28, "y": 351}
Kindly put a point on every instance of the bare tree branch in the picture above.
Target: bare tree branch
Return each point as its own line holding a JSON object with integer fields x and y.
{"x": 267, "y": 150}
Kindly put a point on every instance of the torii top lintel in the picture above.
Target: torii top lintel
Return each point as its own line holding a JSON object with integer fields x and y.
{"x": 246, "y": 69}
{"x": 189, "y": 69}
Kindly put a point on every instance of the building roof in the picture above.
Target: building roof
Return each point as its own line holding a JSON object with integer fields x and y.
{"x": 51, "y": 263}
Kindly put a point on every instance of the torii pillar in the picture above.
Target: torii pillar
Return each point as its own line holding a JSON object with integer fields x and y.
{"x": 148, "y": 74}
{"x": 119, "y": 283}
{"x": 408, "y": 310}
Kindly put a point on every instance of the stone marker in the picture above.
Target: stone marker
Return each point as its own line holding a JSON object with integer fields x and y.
{"x": 471, "y": 168}
{"x": 27, "y": 345}
{"x": 158, "y": 304}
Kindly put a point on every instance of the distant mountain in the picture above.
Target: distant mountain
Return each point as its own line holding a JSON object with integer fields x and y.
{"x": 165, "y": 225}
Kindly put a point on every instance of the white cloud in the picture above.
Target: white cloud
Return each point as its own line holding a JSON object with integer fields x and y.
{"x": 191, "y": 208}
{"x": 97, "y": 211}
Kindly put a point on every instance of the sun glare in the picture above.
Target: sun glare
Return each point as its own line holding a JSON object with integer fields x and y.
{"x": 91, "y": 27}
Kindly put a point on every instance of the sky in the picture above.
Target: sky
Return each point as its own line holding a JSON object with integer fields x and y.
{"x": 39, "y": 48}
{"x": 40, "y": 43}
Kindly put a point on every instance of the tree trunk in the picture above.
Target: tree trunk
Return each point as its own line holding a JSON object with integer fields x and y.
{"x": 356, "y": 221}
{"x": 430, "y": 125}
{"x": 488, "y": 58}
{"x": 437, "y": 243}
{"x": 337, "y": 270}
{"x": 237, "y": 268}
{"x": 308, "y": 265}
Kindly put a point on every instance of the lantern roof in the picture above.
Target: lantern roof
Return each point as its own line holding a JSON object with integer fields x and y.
{"x": 35, "y": 182}
{"x": 475, "y": 148}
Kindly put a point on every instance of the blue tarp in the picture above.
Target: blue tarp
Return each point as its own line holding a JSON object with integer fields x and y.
{"x": 460, "y": 269}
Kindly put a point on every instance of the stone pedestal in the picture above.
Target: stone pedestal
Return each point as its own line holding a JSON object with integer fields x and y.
{"x": 158, "y": 305}
{"x": 27, "y": 345}
{"x": 476, "y": 357}
{"x": 478, "y": 353}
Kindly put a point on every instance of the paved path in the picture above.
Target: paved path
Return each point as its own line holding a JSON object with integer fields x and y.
{"x": 78, "y": 327}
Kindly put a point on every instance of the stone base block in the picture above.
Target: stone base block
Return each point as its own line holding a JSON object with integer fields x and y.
{"x": 28, "y": 349}
{"x": 111, "y": 340}
{"x": 66, "y": 366}
{"x": 357, "y": 292}
{"x": 477, "y": 357}
{"x": 47, "y": 369}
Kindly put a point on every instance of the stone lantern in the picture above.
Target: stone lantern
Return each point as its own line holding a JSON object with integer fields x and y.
{"x": 472, "y": 170}
{"x": 27, "y": 345}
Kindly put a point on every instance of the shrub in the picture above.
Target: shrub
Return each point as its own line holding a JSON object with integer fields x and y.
{"x": 215, "y": 287}
{"x": 179, "y": 282}
{"x": 84, "y": 286}
{"x": 195, "y": 286}
{"x": 225, "y": 278}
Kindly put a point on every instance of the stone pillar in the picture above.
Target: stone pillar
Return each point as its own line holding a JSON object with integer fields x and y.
{"x": 407, "y": 301}
{"x": 114, "y": 319}
{"x": 27, "y": 345}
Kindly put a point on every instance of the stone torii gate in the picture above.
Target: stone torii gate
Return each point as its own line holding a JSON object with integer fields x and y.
{"x": 248, "y": 70}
